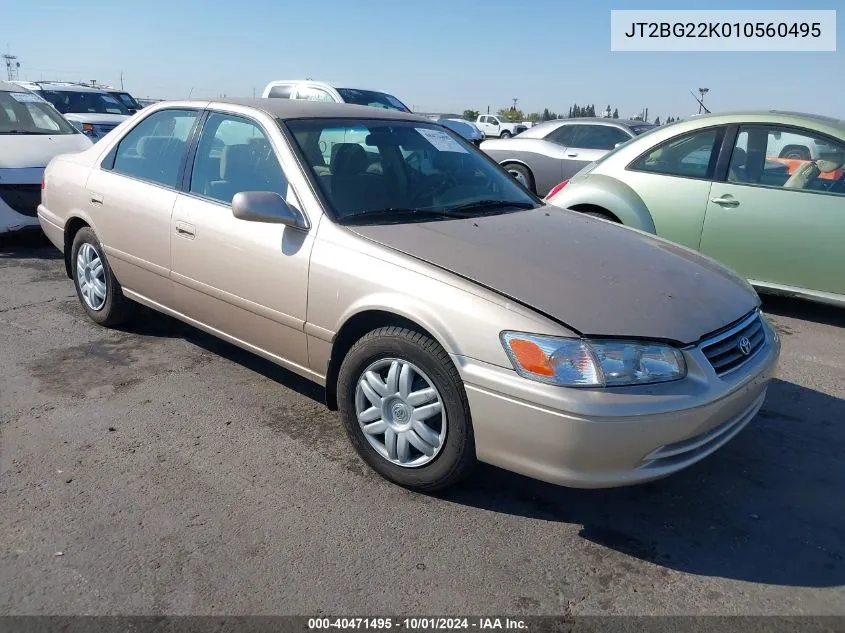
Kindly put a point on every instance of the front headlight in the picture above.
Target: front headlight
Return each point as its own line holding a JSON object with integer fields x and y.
{"x": 575, "y": 362}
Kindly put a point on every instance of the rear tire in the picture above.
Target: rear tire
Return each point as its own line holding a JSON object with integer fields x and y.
{"x": 522, "y": 174}
{"x": 374, "y": 392}
{"x": 505, "y": 134}
{"x": 601, "y": 215}
{"x": 98, "y": 290}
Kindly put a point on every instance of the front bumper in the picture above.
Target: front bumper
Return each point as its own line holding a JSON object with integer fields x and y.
{"x": 591, "y": 438}
{"x": 19, "y": 204}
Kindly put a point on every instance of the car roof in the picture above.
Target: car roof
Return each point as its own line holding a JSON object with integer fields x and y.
{"x": 62, "y": 87}
{"x": 302, "y": 109}
{"x": 783, "y": 116}
{"x": 5, "y": 86}
{"x": 331, "y": 84}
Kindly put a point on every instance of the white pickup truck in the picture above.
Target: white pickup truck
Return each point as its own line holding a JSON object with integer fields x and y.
{"x": 498, "y": 127}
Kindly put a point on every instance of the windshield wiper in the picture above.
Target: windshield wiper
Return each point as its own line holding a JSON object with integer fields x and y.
{"x": 403, "y": 211}
{"x": 492, "y": 205}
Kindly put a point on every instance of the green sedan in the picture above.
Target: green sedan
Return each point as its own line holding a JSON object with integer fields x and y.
{"x": 763, "y": 192}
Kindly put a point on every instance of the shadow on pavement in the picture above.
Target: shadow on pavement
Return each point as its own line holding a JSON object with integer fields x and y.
{"x": 803, "y": 309}
{"x": 148, "y": 322}
{"x": 767, "y": 508}
{"x": 27, "y": 244}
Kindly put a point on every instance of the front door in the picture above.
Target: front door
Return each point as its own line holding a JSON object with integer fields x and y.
{"x": 131, "y": 199}
{"x": 247, "y": 280}
{"x": 777, "y": 219}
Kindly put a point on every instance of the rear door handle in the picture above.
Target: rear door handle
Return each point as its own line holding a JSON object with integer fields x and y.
{"x": 725, "y": 201}
{"x": 184, "y": 229}
{"x": 573, "y": 154}
{"x": 96, "y": 199}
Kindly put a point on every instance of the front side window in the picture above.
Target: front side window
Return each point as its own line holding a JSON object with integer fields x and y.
{"x": 378, "y": 171}
{"x": 235, "y": 155}
{"x": 26, "y": 113}
{"x": 690, "y": 155}
{"x": 153, "y": 150}
{"x": 309, "y": 93}
{"x": 371, "y": 98}
{"x": 73, "y": 102}
{"x": 786, "y": 158}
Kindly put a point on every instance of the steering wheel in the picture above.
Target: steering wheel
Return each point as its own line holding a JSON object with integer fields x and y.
{"x": 445, "y": 183}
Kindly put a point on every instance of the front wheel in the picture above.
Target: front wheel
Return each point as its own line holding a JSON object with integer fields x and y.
{"x": 405, "y": 409}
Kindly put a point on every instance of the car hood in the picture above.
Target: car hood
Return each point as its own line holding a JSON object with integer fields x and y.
{"x": 96, "y": 118}
{"x": 597, "y": 278}
{"x": 19, "y": 151}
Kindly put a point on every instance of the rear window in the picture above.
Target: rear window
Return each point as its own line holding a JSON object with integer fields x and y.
{"x": 372, "y": 98}
{"x": 27, "y": 113}
{"x": 73, "y": 102}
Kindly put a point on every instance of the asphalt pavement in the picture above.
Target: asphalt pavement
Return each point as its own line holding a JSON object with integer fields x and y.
{"x": 156, "y": 470}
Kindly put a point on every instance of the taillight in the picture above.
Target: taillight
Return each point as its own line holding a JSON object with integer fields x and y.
{"x": 557, "y": 189}
{"x": 42, "y": 181}
{"x": 88, "y": 128}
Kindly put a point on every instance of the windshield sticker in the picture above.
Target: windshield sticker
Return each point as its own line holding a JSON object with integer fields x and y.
{"x": 25, "y": 97}
{"x": 441, "y": 140}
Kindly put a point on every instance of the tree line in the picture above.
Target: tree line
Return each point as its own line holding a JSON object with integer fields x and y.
{"x": 575, "y": 111}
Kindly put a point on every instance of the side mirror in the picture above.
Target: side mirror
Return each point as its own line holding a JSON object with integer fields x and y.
{"x": 266, "y": 206}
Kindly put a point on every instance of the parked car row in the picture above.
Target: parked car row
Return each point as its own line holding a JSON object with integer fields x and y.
{"x": 451, "y": 315}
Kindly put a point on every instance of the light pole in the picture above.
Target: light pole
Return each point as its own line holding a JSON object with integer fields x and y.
{"x": 702, "y": 92}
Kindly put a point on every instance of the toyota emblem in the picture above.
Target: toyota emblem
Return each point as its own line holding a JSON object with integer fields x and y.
{"x": 744, "y": 346}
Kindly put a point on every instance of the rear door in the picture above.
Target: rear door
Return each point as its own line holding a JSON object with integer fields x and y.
{"x": 131, "y": 198}
{"x": 777, "y": 219}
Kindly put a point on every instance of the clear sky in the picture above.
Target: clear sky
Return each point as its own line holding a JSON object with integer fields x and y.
{"x": 435, "y": 55}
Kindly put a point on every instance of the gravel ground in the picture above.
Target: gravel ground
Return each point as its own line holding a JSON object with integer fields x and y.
{"x": 155, "y": 470}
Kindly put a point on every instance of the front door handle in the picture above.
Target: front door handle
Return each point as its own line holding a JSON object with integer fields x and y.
{"x": 573, "y": 154}
{"x": 184, "y": 229}
{"x": 96, "y": 199}
{"x": 725, "y": 201}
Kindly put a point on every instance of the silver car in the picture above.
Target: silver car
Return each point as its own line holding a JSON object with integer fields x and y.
{"x": 550, "y": 152}
{"x": 451, "y": 315}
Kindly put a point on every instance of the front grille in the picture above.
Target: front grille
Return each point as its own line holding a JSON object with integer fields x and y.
{"x": 732, "y": 348}
{"x": 22, "y": 198}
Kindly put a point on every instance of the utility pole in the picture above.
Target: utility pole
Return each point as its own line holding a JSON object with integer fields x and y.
{"x": 121, "y": 80}
{"x": 12, "y": 65}
{"x": 514, "y": 103}
{"x": 702, "y": 92}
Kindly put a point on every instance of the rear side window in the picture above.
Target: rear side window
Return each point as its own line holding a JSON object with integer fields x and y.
{"x": 691, "y": 155}
{"x": 153, "y": 150}
{"x": 282, "y": 91}
{"x": 564, "y": 135}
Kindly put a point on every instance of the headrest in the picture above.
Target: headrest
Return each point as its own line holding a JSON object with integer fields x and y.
{"x": 234, "y": 158}
{"x": 738, "y": 157}
{"x": 349, "y": 159}
{"x": 153, "y": 146}
{"x": 830, "y": 162}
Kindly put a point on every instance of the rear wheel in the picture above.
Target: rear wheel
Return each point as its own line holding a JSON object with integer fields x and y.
{"x": 505, "y": 134}
{"x": 405, "y": 409}
{"x": 597, "y": 213}
{"x": 98, "y": 290}
{"x": 522, "y": 174}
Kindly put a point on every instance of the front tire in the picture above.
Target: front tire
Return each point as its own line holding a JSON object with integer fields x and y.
{"x": 405, "y": 409}
{"x": 98, "y": 290}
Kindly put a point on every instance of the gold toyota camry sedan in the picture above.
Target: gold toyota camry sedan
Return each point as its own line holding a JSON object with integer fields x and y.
{"x": 451, "y": 316}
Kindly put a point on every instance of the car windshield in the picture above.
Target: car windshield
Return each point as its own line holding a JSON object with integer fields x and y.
{"x": 372, "y": 98}
{"x": 382, "y": 171}
{"x": 79, "y": 102}
{"x": 639, "y": 129}
{"x": 27, "y": 113}
{"x": 128, "y": 100}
